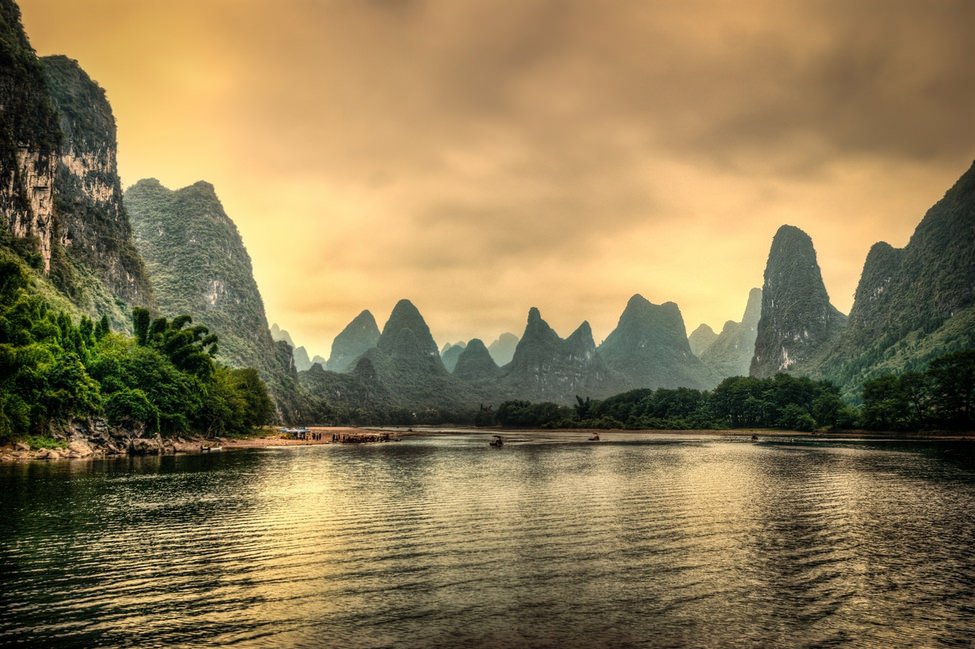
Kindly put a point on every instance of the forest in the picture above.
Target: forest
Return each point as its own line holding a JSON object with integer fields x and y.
{"x": 942, "y": 397}
{"x": 163, "y": 380}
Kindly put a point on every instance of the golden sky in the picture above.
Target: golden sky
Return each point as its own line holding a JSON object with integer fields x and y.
{"x": 481, "y": 157}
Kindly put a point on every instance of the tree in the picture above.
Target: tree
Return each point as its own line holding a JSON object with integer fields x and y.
{"x": 953, "y": 378}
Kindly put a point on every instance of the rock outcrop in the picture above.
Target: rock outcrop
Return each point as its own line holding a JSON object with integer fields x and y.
{"x": 798, "y": 322}
{"x": 30, "y": 139}
{"x": 60, "y": 196}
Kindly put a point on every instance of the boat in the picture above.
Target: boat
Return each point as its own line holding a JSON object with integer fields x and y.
{"x": 594, "y": 438}
{"x": 497, "y": 442}
{"x": 211, "y": 449}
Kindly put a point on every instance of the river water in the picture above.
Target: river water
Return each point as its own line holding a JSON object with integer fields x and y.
{"x": 552, "y": 541}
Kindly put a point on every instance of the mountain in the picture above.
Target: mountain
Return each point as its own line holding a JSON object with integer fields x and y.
{"x": 547, "y": 368}
{"x": 797, "y": 319}
{"x": 100, "y": 263}
{"x": 502, "y": 350}
{"x": 359, "y": 336}
{"x": 302, "y": 362}
{"x": 407, "y": 363}
{"x": 354, "y": 396}
{"x": 913, "y": 303}
{"x": 649, "y": 348}
{"x": 451, "y": 353}
{"x": 198, "y": 265}
{"x": 731, "y": 353}
{"x": 701, "y": 338}
{"x": 318, "y": 360}
{"x": 60, "y": 194}
{"x": 277, "y": 333}
{"x": 475, "y": 365}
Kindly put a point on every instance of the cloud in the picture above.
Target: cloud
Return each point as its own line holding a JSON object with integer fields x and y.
{"x": 482, "y": 157}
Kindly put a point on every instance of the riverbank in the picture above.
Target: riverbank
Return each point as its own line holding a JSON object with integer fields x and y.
{"x": 92, "y": 440}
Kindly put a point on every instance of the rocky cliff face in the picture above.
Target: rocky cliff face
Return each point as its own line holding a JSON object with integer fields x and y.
{"x": 798, "y": 322}
{"x": 731, "y": 353}
{"x": 100, "y": 264}
{"x": 356, "y": 339}
{"x": 29, "y": 142}
{"x": 547, "y": 368}
{"x": 915, "y": 303}
{"x": 198, "y": 265}
{"x": 60, "y": 197}
{"x": 649, "y": 348}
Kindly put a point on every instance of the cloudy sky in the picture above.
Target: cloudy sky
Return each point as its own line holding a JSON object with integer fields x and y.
{"x": 484, "y": 157}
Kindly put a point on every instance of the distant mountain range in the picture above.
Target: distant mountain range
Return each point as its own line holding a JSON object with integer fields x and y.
{"x": 90, "y": 249}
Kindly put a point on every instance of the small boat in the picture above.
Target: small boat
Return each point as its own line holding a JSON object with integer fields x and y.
{"x": 594, "y": 438}
{"x": 212, "y": 449}
{"x": 497, "y": 442}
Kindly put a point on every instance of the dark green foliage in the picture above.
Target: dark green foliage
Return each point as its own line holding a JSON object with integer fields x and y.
{"x": 741, "y": 402}
{"x": 53, "y": 370}
{"x": 943, "y": 396}
{"x": 525, "y": 414}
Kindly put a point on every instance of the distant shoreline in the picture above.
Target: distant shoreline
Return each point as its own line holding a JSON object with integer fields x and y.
{"x": 419, "y": 431}
{"x": 197, "y": 446}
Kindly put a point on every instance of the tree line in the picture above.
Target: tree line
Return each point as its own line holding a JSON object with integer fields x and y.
{"x": 163, "y": 380}
{"x": 941, "y": 397}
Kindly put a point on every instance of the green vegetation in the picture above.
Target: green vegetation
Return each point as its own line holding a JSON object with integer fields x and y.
{"x": 943, "y": 396}
{"x": 739, "y": 402}
{"x": 197, "y": 263}
{"x": 165, "y": 380}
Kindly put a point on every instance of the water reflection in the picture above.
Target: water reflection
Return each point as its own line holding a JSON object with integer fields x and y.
{"x": 441, "y": 541}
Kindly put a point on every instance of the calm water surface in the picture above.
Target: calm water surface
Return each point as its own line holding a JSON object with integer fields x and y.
{"x": 441, "y": 541}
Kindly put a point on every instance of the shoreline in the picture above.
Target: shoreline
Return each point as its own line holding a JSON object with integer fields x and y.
{"x": 86, "y": 447}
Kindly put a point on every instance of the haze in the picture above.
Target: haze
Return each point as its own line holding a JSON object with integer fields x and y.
{"x": 482, "y": 157}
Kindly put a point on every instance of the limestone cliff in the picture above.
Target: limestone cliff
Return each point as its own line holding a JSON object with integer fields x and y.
{"x": 798, "y": 322}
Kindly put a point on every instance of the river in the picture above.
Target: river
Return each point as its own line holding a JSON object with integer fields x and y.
{"x": 551, "y": 541}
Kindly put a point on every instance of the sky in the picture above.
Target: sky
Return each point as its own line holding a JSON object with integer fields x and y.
{"x": 482, "y": 157}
